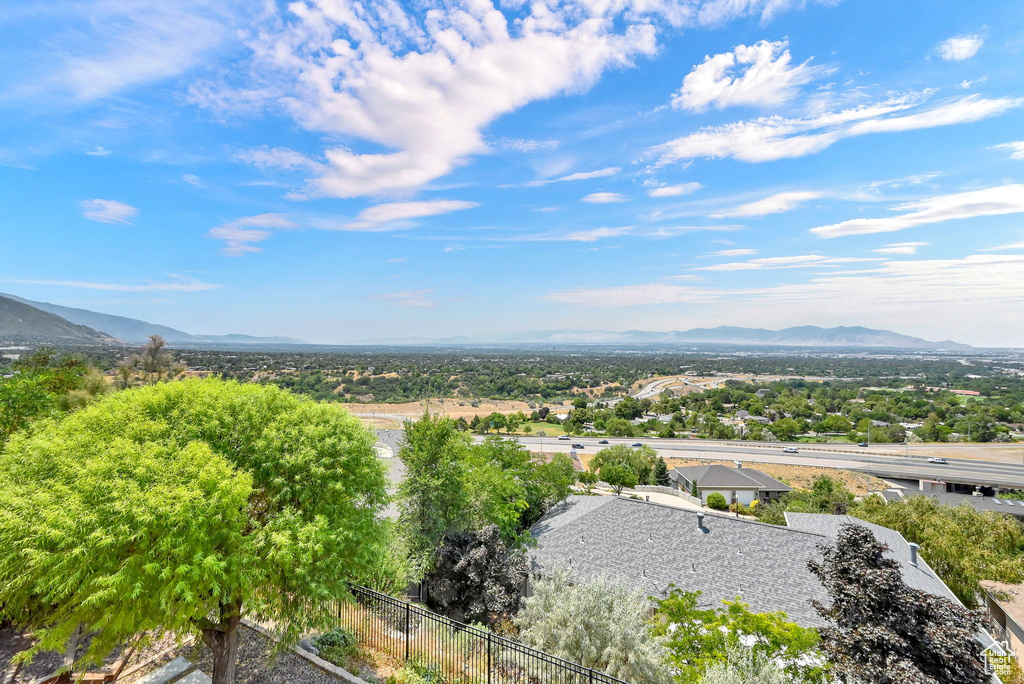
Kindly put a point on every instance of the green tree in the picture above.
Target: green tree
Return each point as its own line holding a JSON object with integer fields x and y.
{"x": 619, "y": 476}
{"x": 717, "y": 501}
{"x": 588, "y": 479}
{"x": 885, "y": 632}
{"x": 641, "y": 460}
{"x": 43, "y": 384}
{"x": 696, "y": 638}
{"x": 962, "y": 544}
{"x": 434, "y": 495}
{"x": 597, "y": 623}
{"x": 183, "y": 506}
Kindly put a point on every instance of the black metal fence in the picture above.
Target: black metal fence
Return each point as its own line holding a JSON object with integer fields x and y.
{"x": 462, "y": 653}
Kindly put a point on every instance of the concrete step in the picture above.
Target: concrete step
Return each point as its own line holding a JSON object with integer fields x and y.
{"x": 195, "y": 677}
{"x": 168, "y": 672}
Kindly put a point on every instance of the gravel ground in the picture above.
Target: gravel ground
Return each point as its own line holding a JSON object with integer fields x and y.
{"x": 255, "y": 665}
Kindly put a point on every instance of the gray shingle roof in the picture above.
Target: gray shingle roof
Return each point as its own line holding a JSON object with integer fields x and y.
{"x": 650, "y": 546}
{"x": 715, "y": 476}
{"x": 719, "y": 476}
{"x": 919, "y": 577}
{"x": 981, "y": 503}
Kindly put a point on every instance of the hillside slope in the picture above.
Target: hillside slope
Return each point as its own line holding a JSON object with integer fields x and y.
{"x": 24, "y": 324}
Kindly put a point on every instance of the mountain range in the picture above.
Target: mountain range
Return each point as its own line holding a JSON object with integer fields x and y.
{"x": 115, "y": 328}
{"x": 26, "y": 321}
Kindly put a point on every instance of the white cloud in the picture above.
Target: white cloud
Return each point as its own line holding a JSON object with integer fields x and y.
{"x": 1009, "y": 246}
{"x": 901, "y": 248}
{"x": 278, "y": 158}
{"x": 775, "y": 137}
{"x": 582, "y": 175}
{"x": 414, "y": 85}
{"x": 239, "y": 235}
{"x": 730, "y": 253}
{"x": 98, "y": 151}
{"x": 1016, "y": 149}
{"x": 604, "y": 198}
{"x": 192, "y": 179}
{"x": 395, "y": 215}
{"x": 595, "y": 234}
{"x": 108, "y": 211}
{"x": 959, "y": 48}
{"x": 411, "y": 298}
{"x": 98, "y": 49}
{"x": 397, "y": 260}
{"x": 1005, "y": 199}
{"x": 176, "y": 284}
{"x": 775, "y": 204}
{"x": 523, "y": 145}
{"x": 759, "y": 75}
{"x": 674, "y": 190}
{"x": 799, "y": 261}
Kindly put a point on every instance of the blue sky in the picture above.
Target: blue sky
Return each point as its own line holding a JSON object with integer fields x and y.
{"x": 337, "y": 170}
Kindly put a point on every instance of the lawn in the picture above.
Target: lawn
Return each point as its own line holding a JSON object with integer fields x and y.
{"x": 549, "y": 429}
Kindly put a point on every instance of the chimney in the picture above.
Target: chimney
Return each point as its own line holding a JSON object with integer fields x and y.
{"x": 700, "y": 519}
{"x": 913, "y": 554}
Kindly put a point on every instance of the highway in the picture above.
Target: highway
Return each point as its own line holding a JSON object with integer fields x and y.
{"x": 866, "y": 460}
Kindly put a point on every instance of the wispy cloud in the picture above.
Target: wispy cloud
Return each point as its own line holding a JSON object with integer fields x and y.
{"x": 579, "y": 176}
{"x": 240, "y": 235}
{"x": 959, "y": 48}
{"x": 108, "y": 211}
{"x": 1005, "y": 199}
{"x": 604, "y": 198}
{"x": 1008, "y": 246}
{"x": 411, "y": 298}
{"x": 674, "y": 190}
{"x": 761, "y": 75}
{"x": 901, "y": 248}
{"x": 1016, "y": 149}
{"x": 396, "y": 215}
{"x": 729, "y": 253}
{"x": 98, "y": 151}
{"x": 775, "y": 137}
{"x": 192, "y": 179}
{"x": 176, "y": 284}
{"x": 799, "y": 261}
{"x": 775, "y": 204}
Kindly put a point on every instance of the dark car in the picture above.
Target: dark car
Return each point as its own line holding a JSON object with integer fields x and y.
{"x": 603, "y": 441}
{"x": 636, "y": 444}
{"x": 578, "y": 446}
{"x": 863, "y": 444}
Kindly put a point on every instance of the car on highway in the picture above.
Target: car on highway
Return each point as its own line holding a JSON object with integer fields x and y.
{"x": 603, "y": 441}
{"x": 936, "y": 459}
{"x": 564, "y": 438}
{"x": 637, "y": 444}
{"x": 863, "y": 444}
{"x": 578, "y": 446}
{"x": 790, "y": 450}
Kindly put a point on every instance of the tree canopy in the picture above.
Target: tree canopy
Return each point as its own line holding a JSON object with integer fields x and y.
{"x": 181, "y": 506}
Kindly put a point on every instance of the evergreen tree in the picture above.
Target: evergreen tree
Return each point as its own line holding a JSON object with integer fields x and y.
{"x": 661, "y": 473}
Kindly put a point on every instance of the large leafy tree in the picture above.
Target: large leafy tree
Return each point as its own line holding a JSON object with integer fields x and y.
{"x": 185, "y": 506}
{"x": 963, "y": 545}
{"x": 641, "y": 460}
{"x": 883, "y": 631}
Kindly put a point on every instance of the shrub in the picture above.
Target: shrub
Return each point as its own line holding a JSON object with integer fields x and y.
{"x": 717, "y": 501}
{"x": 336, "y": 645}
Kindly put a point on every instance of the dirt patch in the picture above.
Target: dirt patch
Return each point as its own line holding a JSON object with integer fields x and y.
{"x": 450, "y": 407}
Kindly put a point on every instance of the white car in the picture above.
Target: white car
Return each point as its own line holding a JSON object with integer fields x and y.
{"x": 564, "y": 438}
{"x": 790, "y": 450}
{"x": 936, "y": 459}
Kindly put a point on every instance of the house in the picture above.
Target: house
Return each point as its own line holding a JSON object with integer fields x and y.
{"x": 651, "y": 546}
{"x": 737, "y": 485}
{"x": 1005, "y": 603}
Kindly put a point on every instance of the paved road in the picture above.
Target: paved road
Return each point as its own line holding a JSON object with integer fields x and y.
{"x": 966, "y": 471}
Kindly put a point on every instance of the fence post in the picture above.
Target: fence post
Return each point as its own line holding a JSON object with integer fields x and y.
{"x": 591, "y": 675}
{"x": 488, "y": 658}
{"x": 408, "y": 634}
